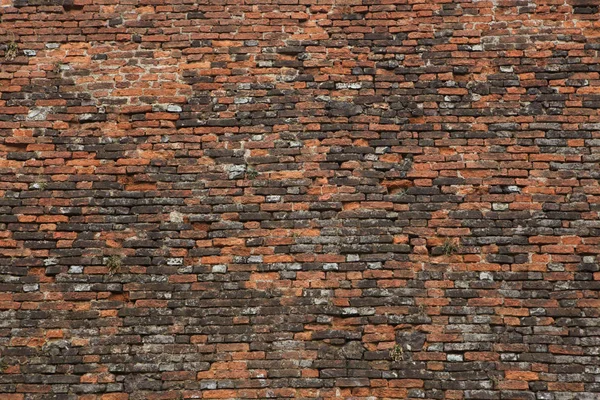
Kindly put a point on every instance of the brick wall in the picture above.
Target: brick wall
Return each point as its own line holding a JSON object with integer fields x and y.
{"x": 333, "y": 199}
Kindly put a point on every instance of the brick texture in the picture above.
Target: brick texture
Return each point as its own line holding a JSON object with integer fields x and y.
{"x": 312, "y": 199}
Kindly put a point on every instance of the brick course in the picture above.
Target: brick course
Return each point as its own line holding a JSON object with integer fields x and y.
{"x": 330, "y": 199}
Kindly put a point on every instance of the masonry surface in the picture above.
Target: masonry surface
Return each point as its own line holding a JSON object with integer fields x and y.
{"x": 338, "y": 199}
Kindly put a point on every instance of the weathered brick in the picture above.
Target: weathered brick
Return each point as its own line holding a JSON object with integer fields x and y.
{"x": 300, "y": 200}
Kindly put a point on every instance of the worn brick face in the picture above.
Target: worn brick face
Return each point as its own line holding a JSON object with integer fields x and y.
{"x": 334, "y": 199}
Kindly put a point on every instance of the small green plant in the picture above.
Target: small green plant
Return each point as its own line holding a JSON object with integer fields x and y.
{"x": 494, "y": 378}
{"x": 113, "y": 263}
{"x": 449, "y": 247}
{"x": 251, "y": 173}
{"x": 58, "y": 67}
{"x": 400, "y": 192}
{"x": 3, "y": 364}
{"x": 39, "y": 185}
{"x": 397, "y": 353}
{"x": 12, "y": 50}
